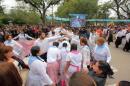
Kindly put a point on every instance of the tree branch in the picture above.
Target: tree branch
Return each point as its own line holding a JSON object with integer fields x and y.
{"x": 32, "y": 3}
{"x": 123, "y": 9}
{"x": 123, "y": 16}
{"x": 52, "y": 2}
{"x": 114, "y": 9}
{"x": 122, "y": 2}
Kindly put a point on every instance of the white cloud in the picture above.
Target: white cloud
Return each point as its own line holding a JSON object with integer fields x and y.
{"x": 9, "y": 3}
{"x": 12, "y": 3}
{"x": 102, "y": 1}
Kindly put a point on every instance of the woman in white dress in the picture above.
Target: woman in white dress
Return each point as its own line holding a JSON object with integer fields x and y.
{"x": 17, "y": 48}
{"x": 37, "y": 74}
{"x": 64, "y": 51}
{"x": 73, "y": 62}
{"x": 27, "y": 44}
{"x": 85, "y": 51}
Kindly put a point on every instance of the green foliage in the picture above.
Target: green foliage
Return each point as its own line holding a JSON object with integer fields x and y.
{"x": 23, "y": 16}
{"x": 1, "y": 7}
{"x": 18, "y": 16}
{"x": 41, "y": 6}
{"x": 88, "y": 7}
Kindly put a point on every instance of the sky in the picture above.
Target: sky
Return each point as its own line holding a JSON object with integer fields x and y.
{"x": 12, "y": 3}
{"x": 9, "y": 3}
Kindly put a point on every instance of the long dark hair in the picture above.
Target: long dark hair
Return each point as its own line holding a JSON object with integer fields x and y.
{"x": 73, "y": 47}
{"x": 106, "y": 69}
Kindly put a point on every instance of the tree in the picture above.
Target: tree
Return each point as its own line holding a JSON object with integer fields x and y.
{"x": 88, "y": 7}
{"x": 1, "y": 8}
{"x": 20, "y": 16}
{"x": 41, "y": 6}
{"x": 104, "y": 10}
{"x": 118, "y": 5}
{"x": 126, "y": 9}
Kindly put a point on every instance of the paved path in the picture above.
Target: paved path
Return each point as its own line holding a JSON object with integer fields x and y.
{"x": 121, "y": 63}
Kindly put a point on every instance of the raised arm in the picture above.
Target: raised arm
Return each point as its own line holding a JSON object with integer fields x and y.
{"x": 108, "y": 55}
{"x": 50, "y": 39}
{"x": 27, "y": 36}
{"x": 16, "y": 37}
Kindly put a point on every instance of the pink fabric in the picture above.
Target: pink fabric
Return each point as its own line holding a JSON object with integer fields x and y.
{"x": 77, "y": 67}
{"x": 27, "y": 45}
{"x": 63, "y": 83}
{"x": 70, "y": 74}
{"x": 53, "y": 70}
{"x": 75, "y": 52}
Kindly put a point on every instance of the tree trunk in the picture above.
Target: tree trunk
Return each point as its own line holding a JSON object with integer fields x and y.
{"x": 117, "y": 9}
{"x": 118, "y": 13}
{"x": 43, "y": 18}
{"x": 128, "y": 14}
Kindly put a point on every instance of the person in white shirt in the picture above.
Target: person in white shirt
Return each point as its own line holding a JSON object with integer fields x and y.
{"x": 127, "y": 45}
{"x": 22, "y": 36}
{"x": 17, "y": 48}
{"x": 92, "y": 39}
{"x": 105, "y": 30}
{"x": 63, "y": 52}
{"x": 43, "y": 42}
{"x": 74, "y": 62}
{"x": 101, "y": 51}
{"x": 85, "y": 51}
{"x": 53, "y": 62}
{"x": 59, "y": 30}
{"x": 74, "y": 37}
{"x": 22, "y": 39}
{"x": 109, "y": 37}
{"x": 65, "y": 41}
{"x": 124, "y": 32}
{"x": 118, "y": 38}
{"x": 37, "y": 74}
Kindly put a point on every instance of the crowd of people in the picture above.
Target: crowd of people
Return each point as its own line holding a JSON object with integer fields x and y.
{"x": 59, "y": 55}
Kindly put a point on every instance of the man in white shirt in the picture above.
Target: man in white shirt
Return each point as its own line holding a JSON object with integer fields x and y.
{"x": 59, "y": 30}
{"x": 53, "y": 60}
{"x": 53, "y": 53}
{"x": 43, "y": 43}
{"x": 65, "y": 41}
